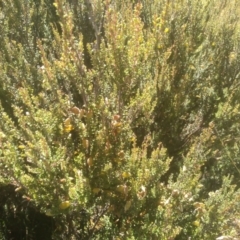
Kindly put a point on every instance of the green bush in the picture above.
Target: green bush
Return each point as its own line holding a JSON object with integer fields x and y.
{"x": 119, "y": 120}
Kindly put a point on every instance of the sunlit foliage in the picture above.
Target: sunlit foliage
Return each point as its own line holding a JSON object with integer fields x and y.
{"x": 120, "y": 119}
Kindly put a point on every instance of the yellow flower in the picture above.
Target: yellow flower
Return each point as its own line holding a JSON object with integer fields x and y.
{"x": 196, "y": 223}
{"x": 68, "y": 127}
{"x": 64, "y": 205}
{"x": 166, "y": 30}
{"x": 126, "y": 174}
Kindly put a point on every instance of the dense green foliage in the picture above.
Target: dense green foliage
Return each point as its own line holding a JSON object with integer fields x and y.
{"x": 120, "y": 119}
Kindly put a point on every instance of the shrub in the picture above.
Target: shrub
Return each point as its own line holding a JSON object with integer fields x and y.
{"x": 119, "y": 120}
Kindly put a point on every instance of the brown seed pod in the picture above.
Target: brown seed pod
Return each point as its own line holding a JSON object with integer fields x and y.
{"x": 77, "y": 111}
{"x": 90, "y": 162}
{"x": 85, "y": 143}
{"x": 116, "y": 117}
